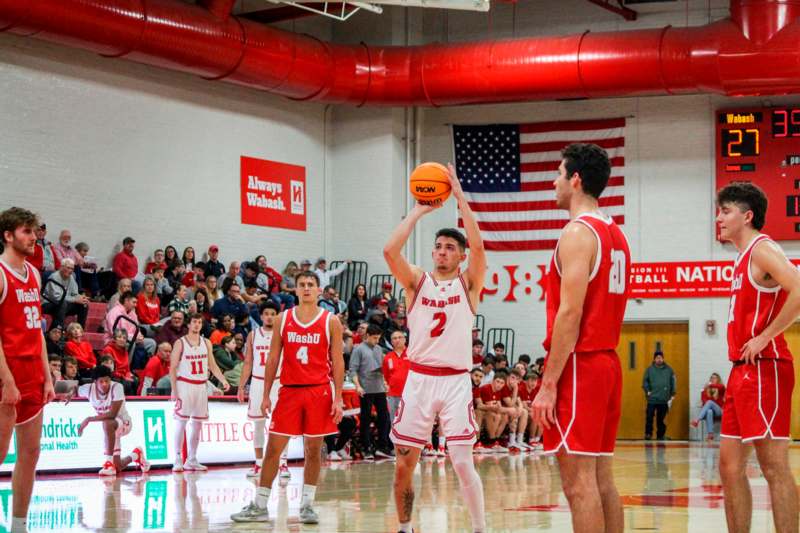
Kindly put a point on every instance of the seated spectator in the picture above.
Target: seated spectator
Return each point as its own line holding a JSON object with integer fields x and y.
{"x": 539, "y": 365}
{"x": 228, "y": 360}
{"x": 336, "y": 443}
{"x": 477, "y": 351}
{"x": 232, "y": 304}
{"x": 495, "y": 415}
{"x": 385, "y": 295}
{"x": 476, "y": 332}
{"x": 274, "y": 281}
{"x": 202, "y": 302}
{"x": 250, "y": 275}
{"x": 239, "y": 337}
{"x": 224, "y": 328}
{"x": 326, "y": 300}
{"x": 379, "y": 315}
{"x": 360, "y": 332}
{"x": 123, "y": 285}
{"x": 213, "y": 266}
{"x": 499, "y": 349}
{"x": 525, "y": 359}
{"x": 357, "y": 306}
{"x": 54, "y": 362}
{"x": 117, "y": 348}
{"x": 62, "y": 284}
{"x": 517, "y": 414}
{"x": 520, "y": 369}
{"x": 64, "y": 249}
{"x": 180, "y": 302}
{"x": 500, "y": 361}
{"x": 96, "y": 280}
{"x": 711, "y": 401}
{"x": 148, "y": 305}
{"x": 326, "y": 276}
{"x": 195, "y": 277}
{"x": 487, "y": 365}
{"x": 70, "y": 367}
{"x": 188, "y": 258}
{"x": 235, "y": 273}
{"x": 163, "y": 289}
{"x": 173, "y": 329}
{"x": 126, "y": 265}
{"x": 476, "y": 377}
{"x": 123, "y": 316}
{"x": 156, "y": 371}
{"x": 528, "y": 391}
{"x": 54, "y": 341}
{"x": 106, "y": 361}
{"x": 288, "y": 286}
{"x": 212, "y": 289}
{"x": 398, "y": 323}
{"x": 44, "y": 254}
{"x": 158, "y": 261}
{"x": 80, "y": 350}
{"x": 175, "y": 273}
{"x": 305, "y": 266}
{"x": 253, "y": 295}
{"x": 170, "y": 256}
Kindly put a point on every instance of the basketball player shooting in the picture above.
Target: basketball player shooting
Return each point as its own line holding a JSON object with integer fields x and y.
{"x": 441, "y": 312}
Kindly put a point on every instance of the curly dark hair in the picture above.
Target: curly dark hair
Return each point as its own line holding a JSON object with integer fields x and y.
{"x": 592, "y": 165}
{"x": 747, "y": 197}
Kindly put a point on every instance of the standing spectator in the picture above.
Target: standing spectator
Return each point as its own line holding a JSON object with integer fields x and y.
{"x": 326, "y": 276}
{"x": 65, "y": 250}
{"x": 212, "y": 289}
{"x": 366, "y": 363}
{"x": 213, "y": 266}
{"x": 117, "y": 349}
{"x": 126, "y": 265}
{"x": 288, "y": 286}
{"x": 232, "y": 304}
{"x": 148, "y": 305}
{"x": 54, "y": 341}
{"x": 123, "y": 285}
{"x": 188, "y": 258}
{"x": 80, "y": 349}
{"x": 156, "y": 371}
{"x": 170, "y": 256}
{"x": 142, "y": 347}
{"x": 711, "y": 401}
{"x": 395, "y": 371}
{"x": 173, "y": 329}
{"x": 357, "y": 306}
{"x": 73, "y": 303}
{"x": 659, "y": 386}
{"x": 44, "y": 255}
{"x": 158, "y": 261}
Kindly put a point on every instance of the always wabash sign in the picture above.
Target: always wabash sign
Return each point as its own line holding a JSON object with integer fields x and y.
{"x": 273, "y": 194}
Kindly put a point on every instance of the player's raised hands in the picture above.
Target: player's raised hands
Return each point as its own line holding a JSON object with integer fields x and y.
{"x": 455, "y": 184}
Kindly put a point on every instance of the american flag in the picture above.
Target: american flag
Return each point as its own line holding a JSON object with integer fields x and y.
{"x": 507, "y": 173}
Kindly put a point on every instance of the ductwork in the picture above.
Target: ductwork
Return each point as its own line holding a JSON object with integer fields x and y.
{"x": 755, "y": 52}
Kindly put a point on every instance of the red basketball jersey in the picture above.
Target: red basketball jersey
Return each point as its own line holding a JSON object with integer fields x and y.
{"x": 20, "y": 313}
{"x": 607, "y": 293}
{"x": 305, "y": 358}
{"x": 752, "y": 308}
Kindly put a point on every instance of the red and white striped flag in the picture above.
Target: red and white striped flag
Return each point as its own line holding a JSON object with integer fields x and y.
{"x": 507, "y": 173}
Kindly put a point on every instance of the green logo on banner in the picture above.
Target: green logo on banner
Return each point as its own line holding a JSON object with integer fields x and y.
{"x": 155, "y": 434}
{"x": 11, "y": 456}
{"x": 155, "y": 503}
{"x": 5, "y": 509}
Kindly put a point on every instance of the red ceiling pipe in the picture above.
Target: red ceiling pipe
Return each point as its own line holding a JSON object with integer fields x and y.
{"x": 219, "y": 8}
{"x": 754, "y": 52}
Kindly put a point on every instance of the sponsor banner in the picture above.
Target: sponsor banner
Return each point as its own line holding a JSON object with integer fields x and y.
{"x": 273, "y": 194}
{"x": 227, "y": 436}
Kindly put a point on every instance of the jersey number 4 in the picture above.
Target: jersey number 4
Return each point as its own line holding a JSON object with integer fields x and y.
{"x": 438, "y": 328}
{"x": 616, "y": 278}
{"x": 302, "y": 355}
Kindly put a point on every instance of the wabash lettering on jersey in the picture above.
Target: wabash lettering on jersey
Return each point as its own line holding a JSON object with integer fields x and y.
{"x": 305, "y": 358}
{"x": 20, "y": 312}
{"x": 607, "y": 293}
{"x": 752, "y": 308}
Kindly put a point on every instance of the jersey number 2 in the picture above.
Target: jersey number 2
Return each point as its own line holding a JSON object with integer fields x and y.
{"x": 197, "y": 367}
{"x": 438, "y": 328}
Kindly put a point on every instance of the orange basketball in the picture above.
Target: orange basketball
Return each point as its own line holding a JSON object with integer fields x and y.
{"x": 430, "y": 184}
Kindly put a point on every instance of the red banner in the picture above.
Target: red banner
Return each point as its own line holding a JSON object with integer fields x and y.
{"x": 273, "y": 194}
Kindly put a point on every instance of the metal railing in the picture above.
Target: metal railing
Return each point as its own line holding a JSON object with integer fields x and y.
{"x": 504, "y": 335}
{"x": 346, "y": 282}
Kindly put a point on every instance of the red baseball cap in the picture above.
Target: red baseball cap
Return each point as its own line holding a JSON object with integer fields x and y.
{"x": 213, "y": 248}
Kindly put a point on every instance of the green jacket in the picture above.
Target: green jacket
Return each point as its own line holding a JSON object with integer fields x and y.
{"x": 659, "y": 384}
{"x": 225, "y": 361}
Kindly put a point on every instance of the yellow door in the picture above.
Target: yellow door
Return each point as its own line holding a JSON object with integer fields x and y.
{"x": 637, "y": 344}
{"x": 793, "y": 339}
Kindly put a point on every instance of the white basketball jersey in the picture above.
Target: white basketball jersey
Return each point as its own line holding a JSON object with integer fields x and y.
{"x": 440, "y": 324}
{"x": 101, "y": 403}
{"x": 261, "y": 342}
{"x": 193, "y": 366}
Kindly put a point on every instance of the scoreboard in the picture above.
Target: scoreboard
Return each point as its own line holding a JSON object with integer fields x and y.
{"x": 762, "y": 146}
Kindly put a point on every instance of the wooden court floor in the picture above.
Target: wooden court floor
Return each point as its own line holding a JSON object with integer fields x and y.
{"x": 666, "y": 488}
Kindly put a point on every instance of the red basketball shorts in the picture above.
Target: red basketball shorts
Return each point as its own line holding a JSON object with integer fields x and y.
{"x": 303, "y": 411}
{"x": 758, "y": 401}
{"x": 588, "y": 405}
{"x": 29, "y": 377}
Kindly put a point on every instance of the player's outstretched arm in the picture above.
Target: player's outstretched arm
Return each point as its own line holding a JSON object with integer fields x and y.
{"x": 405, "y": 273}
{"x": 247, "y": 367}
{"x": 769, "y": 259}
{"x": 575, "y": 251}
{"x": 476, "y": 266}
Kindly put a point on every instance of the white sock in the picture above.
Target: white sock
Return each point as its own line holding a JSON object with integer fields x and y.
{"x": 194, "y": 440}
{"x": 470, "y": 484}
{"x": 262, "y": 497}
{"x": 405, "y": 527}
{"x": 259, "y": 436}
{"x": 19, "y": 525}
{"x": 180, "y": 432}
{"x": 520, "y": 437}
{"x": 442, "y": 442}
{"x": 110, "y": 458}
{"x": 308, "y": 495}
{"x": 512, "y": 439}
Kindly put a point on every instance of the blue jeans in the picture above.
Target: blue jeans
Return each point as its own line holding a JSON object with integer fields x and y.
{"x": 709, "y": 411}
